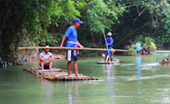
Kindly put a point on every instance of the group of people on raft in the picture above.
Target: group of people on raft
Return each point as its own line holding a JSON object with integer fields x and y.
{"x": 46, "y": 57}
{"x": 142, "y": 50}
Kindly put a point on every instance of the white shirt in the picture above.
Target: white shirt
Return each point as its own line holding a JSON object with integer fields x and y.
{"x": 46, "y": 56}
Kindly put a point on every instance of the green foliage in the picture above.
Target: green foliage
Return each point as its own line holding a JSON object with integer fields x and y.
{"x": 146, "y": 41}
{"x": 100, "y": 15}
{"x": 40, "y": 22}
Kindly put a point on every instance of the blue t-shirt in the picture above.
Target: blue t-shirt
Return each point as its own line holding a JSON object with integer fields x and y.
{"x": 138, "y": 46}
{"x": 71, "y": 35}
{"x": 109, "y": 42}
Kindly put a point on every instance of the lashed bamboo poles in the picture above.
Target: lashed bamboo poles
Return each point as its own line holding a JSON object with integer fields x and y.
{"x": 58, "y": 48}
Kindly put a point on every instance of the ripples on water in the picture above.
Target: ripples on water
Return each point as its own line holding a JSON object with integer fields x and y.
{"x": 136, "y": 80}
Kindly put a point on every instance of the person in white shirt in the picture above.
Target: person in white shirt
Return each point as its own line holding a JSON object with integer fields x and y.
{"x": 46, "y": 59}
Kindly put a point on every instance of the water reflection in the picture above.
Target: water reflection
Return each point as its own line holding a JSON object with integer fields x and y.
{"x": 73, "y": 95}
{"x": 138, "y": 72}
{"x": 47, "y": 90}
{"x": 109, "y": 72}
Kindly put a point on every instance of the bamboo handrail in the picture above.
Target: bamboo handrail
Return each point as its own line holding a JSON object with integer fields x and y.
{"x": 60, "y": 48}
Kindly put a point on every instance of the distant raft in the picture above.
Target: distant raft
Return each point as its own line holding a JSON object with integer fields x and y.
{"x": 164, "y": 63}
{"x": 115, "y": 61}
{"x": 58, "y": 75}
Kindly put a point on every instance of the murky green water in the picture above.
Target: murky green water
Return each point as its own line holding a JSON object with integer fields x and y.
{"x": 136, "y": 80}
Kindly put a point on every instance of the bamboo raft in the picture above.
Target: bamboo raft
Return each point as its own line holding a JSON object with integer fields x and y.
{"x": 164, "y": 63}
{"x": 58, "y": 75}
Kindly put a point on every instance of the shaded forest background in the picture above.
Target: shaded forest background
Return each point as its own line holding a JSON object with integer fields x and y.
{"x": 41, "y": 22}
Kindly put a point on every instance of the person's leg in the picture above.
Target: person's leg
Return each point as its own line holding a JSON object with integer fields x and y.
{"x": 106, "y": 54}
{"x": 105, "y": 58}
{"x": 69, "y": 59}
{"x": 69, "y": 68}
{"x": 42, "y": 65}
{"x": 111, "y": 58}
{"x": 50, "y": 65}
{"x": 76, "y": 68}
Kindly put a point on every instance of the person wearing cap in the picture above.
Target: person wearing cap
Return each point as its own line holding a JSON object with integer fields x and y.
{"x": 46, "y": 59}
{"x": 72, "y": 42}
{"x": 109, "y": 42}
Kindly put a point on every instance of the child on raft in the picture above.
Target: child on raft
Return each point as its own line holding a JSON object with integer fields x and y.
{"x": 109, "y": 43}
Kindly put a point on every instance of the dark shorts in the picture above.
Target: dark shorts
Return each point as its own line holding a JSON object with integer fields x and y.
{"x": 108, "y": 53}
{"x": 45, "y": 66}
{"x": 71, "y": 56}
{"x": 137, "y": 51}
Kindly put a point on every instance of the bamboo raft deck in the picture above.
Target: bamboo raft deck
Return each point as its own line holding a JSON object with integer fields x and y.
{"x": 58, "y": 75}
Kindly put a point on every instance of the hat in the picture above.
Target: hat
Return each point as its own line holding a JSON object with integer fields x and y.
{"x": 77, "y": 20}
{"x": 109, "y": 34}
{"x": 47, "y": 47}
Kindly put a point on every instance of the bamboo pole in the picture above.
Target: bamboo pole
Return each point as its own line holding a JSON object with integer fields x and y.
{"x": 61, "y": 48}
{"x": 106, "y": 47}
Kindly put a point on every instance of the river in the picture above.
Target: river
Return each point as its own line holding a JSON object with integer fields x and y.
{"x": 136, "y": 80}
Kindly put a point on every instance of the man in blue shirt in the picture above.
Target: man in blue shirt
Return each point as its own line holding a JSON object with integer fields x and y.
{"x": 109, "y": 42}
{"x": 138, "y": 47}
{"x": 72, "y": 42}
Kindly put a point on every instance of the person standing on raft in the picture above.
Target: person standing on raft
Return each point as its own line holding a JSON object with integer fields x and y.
{"x": 46, "y": 59}
{"x": 72, "y": 42}
{"x": 138, "y": 48}
{"x": 109, "y": 43}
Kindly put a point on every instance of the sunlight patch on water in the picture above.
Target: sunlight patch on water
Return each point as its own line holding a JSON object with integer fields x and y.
{"x": 164, "y": 100}
{"x": 164, "y": 89}
{"x": 125, "y": 65}
{"x": 122, "y": 96}
{"x": 150, "y": 64}
{"x": 133, "y": 78}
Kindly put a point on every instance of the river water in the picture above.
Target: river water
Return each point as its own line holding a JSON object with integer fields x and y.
{"x": 136, "y": 80}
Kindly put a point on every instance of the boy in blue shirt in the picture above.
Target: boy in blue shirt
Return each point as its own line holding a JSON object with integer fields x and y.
{"x": 138, "y": 48}
{"x": 109, "y": 43}
{"x": 72, "y": 42}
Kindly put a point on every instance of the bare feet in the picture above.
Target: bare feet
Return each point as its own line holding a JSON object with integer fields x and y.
{"x": 68, "y": 75}
{"x": 77, "y": 75}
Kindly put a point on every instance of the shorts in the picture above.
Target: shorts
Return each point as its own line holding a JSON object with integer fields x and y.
{"x": 45, "y": 66}
{"x": 71, "y": 56}
{"x": 137, "y": 51}
{"x": 108, "y": 53}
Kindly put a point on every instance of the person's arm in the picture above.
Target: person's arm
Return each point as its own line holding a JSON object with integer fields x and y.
{"x": 62, "y": 42}
{"x": 68, "y": 31}
{"x": 78, "y": 43}
{"x": 41, "y": 59}
{"x": 51, "y": 59}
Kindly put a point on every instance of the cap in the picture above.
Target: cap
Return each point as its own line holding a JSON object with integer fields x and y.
{"x": 77, "y": 20}
{"x": 47, "y": 47}
{"x": 109, "y": 34}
